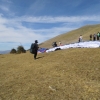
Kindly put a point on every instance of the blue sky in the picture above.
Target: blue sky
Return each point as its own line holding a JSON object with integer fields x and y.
{"x": 23, "y": 21}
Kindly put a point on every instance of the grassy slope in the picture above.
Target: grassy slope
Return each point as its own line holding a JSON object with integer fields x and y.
{"x": 73, "y": 36}
{"x": 71, "y": 74}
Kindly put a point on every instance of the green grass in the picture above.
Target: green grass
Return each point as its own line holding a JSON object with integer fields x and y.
{"x": 71, "y": 74}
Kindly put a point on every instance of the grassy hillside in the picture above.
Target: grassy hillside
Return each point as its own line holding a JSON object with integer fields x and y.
{"x": 73, "y": 36}
{"x": 71, "y": 74}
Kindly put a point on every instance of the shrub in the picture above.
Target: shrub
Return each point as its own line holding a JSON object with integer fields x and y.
{"x": 13, "y": 51}
{"x": 20, "y": 49}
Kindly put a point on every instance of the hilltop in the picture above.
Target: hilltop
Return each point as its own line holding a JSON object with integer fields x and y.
{"x": 72, "y": 36}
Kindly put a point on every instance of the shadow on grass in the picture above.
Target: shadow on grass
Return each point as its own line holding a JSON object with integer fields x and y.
{"x": 39, "y": 57}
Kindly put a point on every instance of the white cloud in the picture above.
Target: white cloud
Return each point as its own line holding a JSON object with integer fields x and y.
{"x": 4, "y": 8}
{"x": 49, "y": 19}
{"x": 37, "y": 6}
{"x": 12, "y": 30}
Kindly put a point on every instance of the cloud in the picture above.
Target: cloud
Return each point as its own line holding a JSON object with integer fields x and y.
{"x": 4, "y": 8}
{"x": 12, "y": 29}
{"x": 37, "y": 6}
{"x": 59, "y": 19}
{"x": 5, "y": 5}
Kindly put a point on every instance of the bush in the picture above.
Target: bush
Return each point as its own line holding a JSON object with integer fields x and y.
{"x": 13, "y": 51}
{"x": 21, "y": 49}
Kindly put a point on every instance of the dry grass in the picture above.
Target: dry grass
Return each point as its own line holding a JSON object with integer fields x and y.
{"x": 72, "y": 36}
{"x": 71, "y": 74}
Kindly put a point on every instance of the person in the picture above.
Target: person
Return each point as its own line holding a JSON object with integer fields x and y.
{"x": 54, "y": 44}
{"x": 94, "y": 37}
{"x": 60, "y": 43}
{"x": 35, "y": 48}
{"x": 98, "y": 36}
{"x": 80, "y": 38}
{"x": 90, "y": 37}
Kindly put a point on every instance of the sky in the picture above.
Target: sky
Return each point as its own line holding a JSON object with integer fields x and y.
{"x": 24, "y": 21}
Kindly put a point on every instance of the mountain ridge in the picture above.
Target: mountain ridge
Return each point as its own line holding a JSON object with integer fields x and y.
{"x": 5, "y": 52}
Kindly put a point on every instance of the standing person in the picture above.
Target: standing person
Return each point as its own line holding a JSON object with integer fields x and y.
{"x": 80, "y": 38}
{"x": 94, "y": 37}
{"x": 98, "y": 36}
{"x": 90, "y": 37}
{"x": 34, "y": 47}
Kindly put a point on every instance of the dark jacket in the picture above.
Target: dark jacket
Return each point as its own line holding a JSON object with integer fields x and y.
{"x": 34, "y": 48}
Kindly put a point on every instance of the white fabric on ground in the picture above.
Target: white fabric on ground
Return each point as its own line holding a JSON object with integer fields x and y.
{"x": 88, "y": 44}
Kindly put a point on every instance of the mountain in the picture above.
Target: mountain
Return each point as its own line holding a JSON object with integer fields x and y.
{"x": 5, "y": 52}
{"x": 73, "y": 36}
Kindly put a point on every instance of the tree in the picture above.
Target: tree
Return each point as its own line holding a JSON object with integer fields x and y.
{"x": 13, "y": 51}
{"x": 20, "y": 49}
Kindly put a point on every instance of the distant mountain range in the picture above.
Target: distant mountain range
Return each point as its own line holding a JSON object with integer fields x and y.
{"x": 5, "y": 52}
